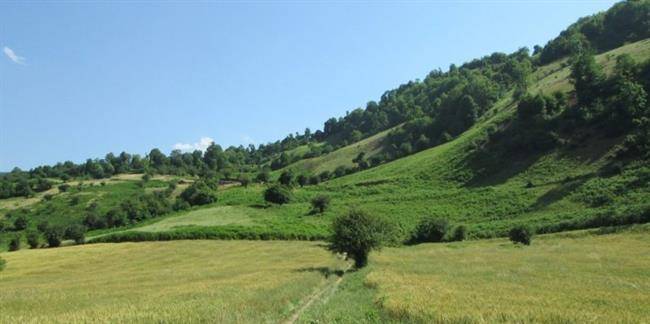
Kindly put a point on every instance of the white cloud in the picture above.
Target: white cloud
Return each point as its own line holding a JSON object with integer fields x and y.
{"x": 13, "y": 56}
{"x": 201, "y": 145}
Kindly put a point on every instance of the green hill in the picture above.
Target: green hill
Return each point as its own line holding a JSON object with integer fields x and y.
{"x": 561, "y": 188}
{"x": 557, "y": 141}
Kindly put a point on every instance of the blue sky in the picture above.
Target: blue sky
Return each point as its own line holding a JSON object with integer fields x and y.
{"x": 80, "y": 80}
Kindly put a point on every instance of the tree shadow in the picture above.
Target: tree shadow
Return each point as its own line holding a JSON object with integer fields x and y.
{"x": 259, "y": 206}
{"x": 491, "y": 171}
{"x": 324, "y": 271}
{"x": 563, "y": 190}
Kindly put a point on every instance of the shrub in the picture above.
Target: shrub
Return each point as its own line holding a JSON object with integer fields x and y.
{"x": 75, "y": 200}
{"x": 314, "y": 180}
{"x": 64, "y": 187}
{"x": 14, "y": 243}
{"x": 460, "y": 233}
{"x": 325, "y": 175}
{"x": 181, "y": 204}
{"x": 286, "y": 178}
{"x": 340, "y": 171}
{"x": 263, "y": 176}
{"x": 20, "y": 223}
{"x": 277, "y": 195}
{"x": 430, "y": 229}
{"x": 302, "y": 180}
{"x": 76, "y": 232}
{"x": 357, "y": 233}
{"x": 245, "y": 181}
{"x": 199, "y": 193}
{"x": 43, "y": 226}
{"x": 320, "y": 203}
{"x": 521, "y": 234}
{"x": 53, "y": 235}
{"x": 33, "y": 239}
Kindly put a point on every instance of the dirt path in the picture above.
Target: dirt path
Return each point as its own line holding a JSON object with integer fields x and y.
{"x": 317, "y": 295}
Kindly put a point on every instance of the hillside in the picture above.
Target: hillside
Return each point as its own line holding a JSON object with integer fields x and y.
{"x": 512, "y": 188}
{"x": 553, "y": 190}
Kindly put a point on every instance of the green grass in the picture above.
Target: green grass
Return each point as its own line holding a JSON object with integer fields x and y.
{"x": 341, "y": 157}
{"x": 573, "y": 277}
{"x": 215, "y": 216}
{"x": 181, "y": 281}
{"x": 570, "y": 279}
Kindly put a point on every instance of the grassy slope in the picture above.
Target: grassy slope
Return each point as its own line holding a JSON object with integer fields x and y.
{"x": 181, "y": 281}
{"x": 341, "y": 157}
{"x": 443, "y": 181}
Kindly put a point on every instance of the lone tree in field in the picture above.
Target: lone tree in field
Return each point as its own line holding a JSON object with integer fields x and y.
{"x": 320, "y": 203}
{"x": 521, "y": 234}
{"x": 277, "y": 195}
{"x": 357, "y": 233}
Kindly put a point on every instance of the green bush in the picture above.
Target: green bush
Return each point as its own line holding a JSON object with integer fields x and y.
{"x": 199, "y": 193}
{"x": 430, "y": 229}
{"x": 314, "y": 180}
{"x": 64, "y": 187}
{"x": 521, "y": 234}
{"x": 460, "y": 233}
{"x": 320, "y": 203}
{"x": 76, "y": 232}
{"x": 53, "y": 235}
{"x": 357, "y": 233}
{"x": 33, "y": 239}
{"x": 14, "y": 243}
{"x": 263, "y": 177}
{"x": 302, "y": 180}
{"x": 278, "y": 195}
{"x": 286, "y": 178}
{"x": 20, "y": 223}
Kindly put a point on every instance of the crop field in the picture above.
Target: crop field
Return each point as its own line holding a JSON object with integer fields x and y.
{"x": 558, "y": 279}
{"x": 180, "y": 281}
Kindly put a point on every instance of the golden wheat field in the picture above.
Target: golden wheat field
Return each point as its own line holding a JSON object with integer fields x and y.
{"x": 558, "y": 279}
{"x": 179, "y": 281}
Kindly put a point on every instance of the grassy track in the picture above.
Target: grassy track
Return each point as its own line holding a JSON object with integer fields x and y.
{"x": 180, "y": 281}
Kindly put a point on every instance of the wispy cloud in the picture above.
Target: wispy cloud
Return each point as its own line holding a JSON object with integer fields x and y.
{"x": 201, "y": 145}
{"x": 13, "y": 56}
